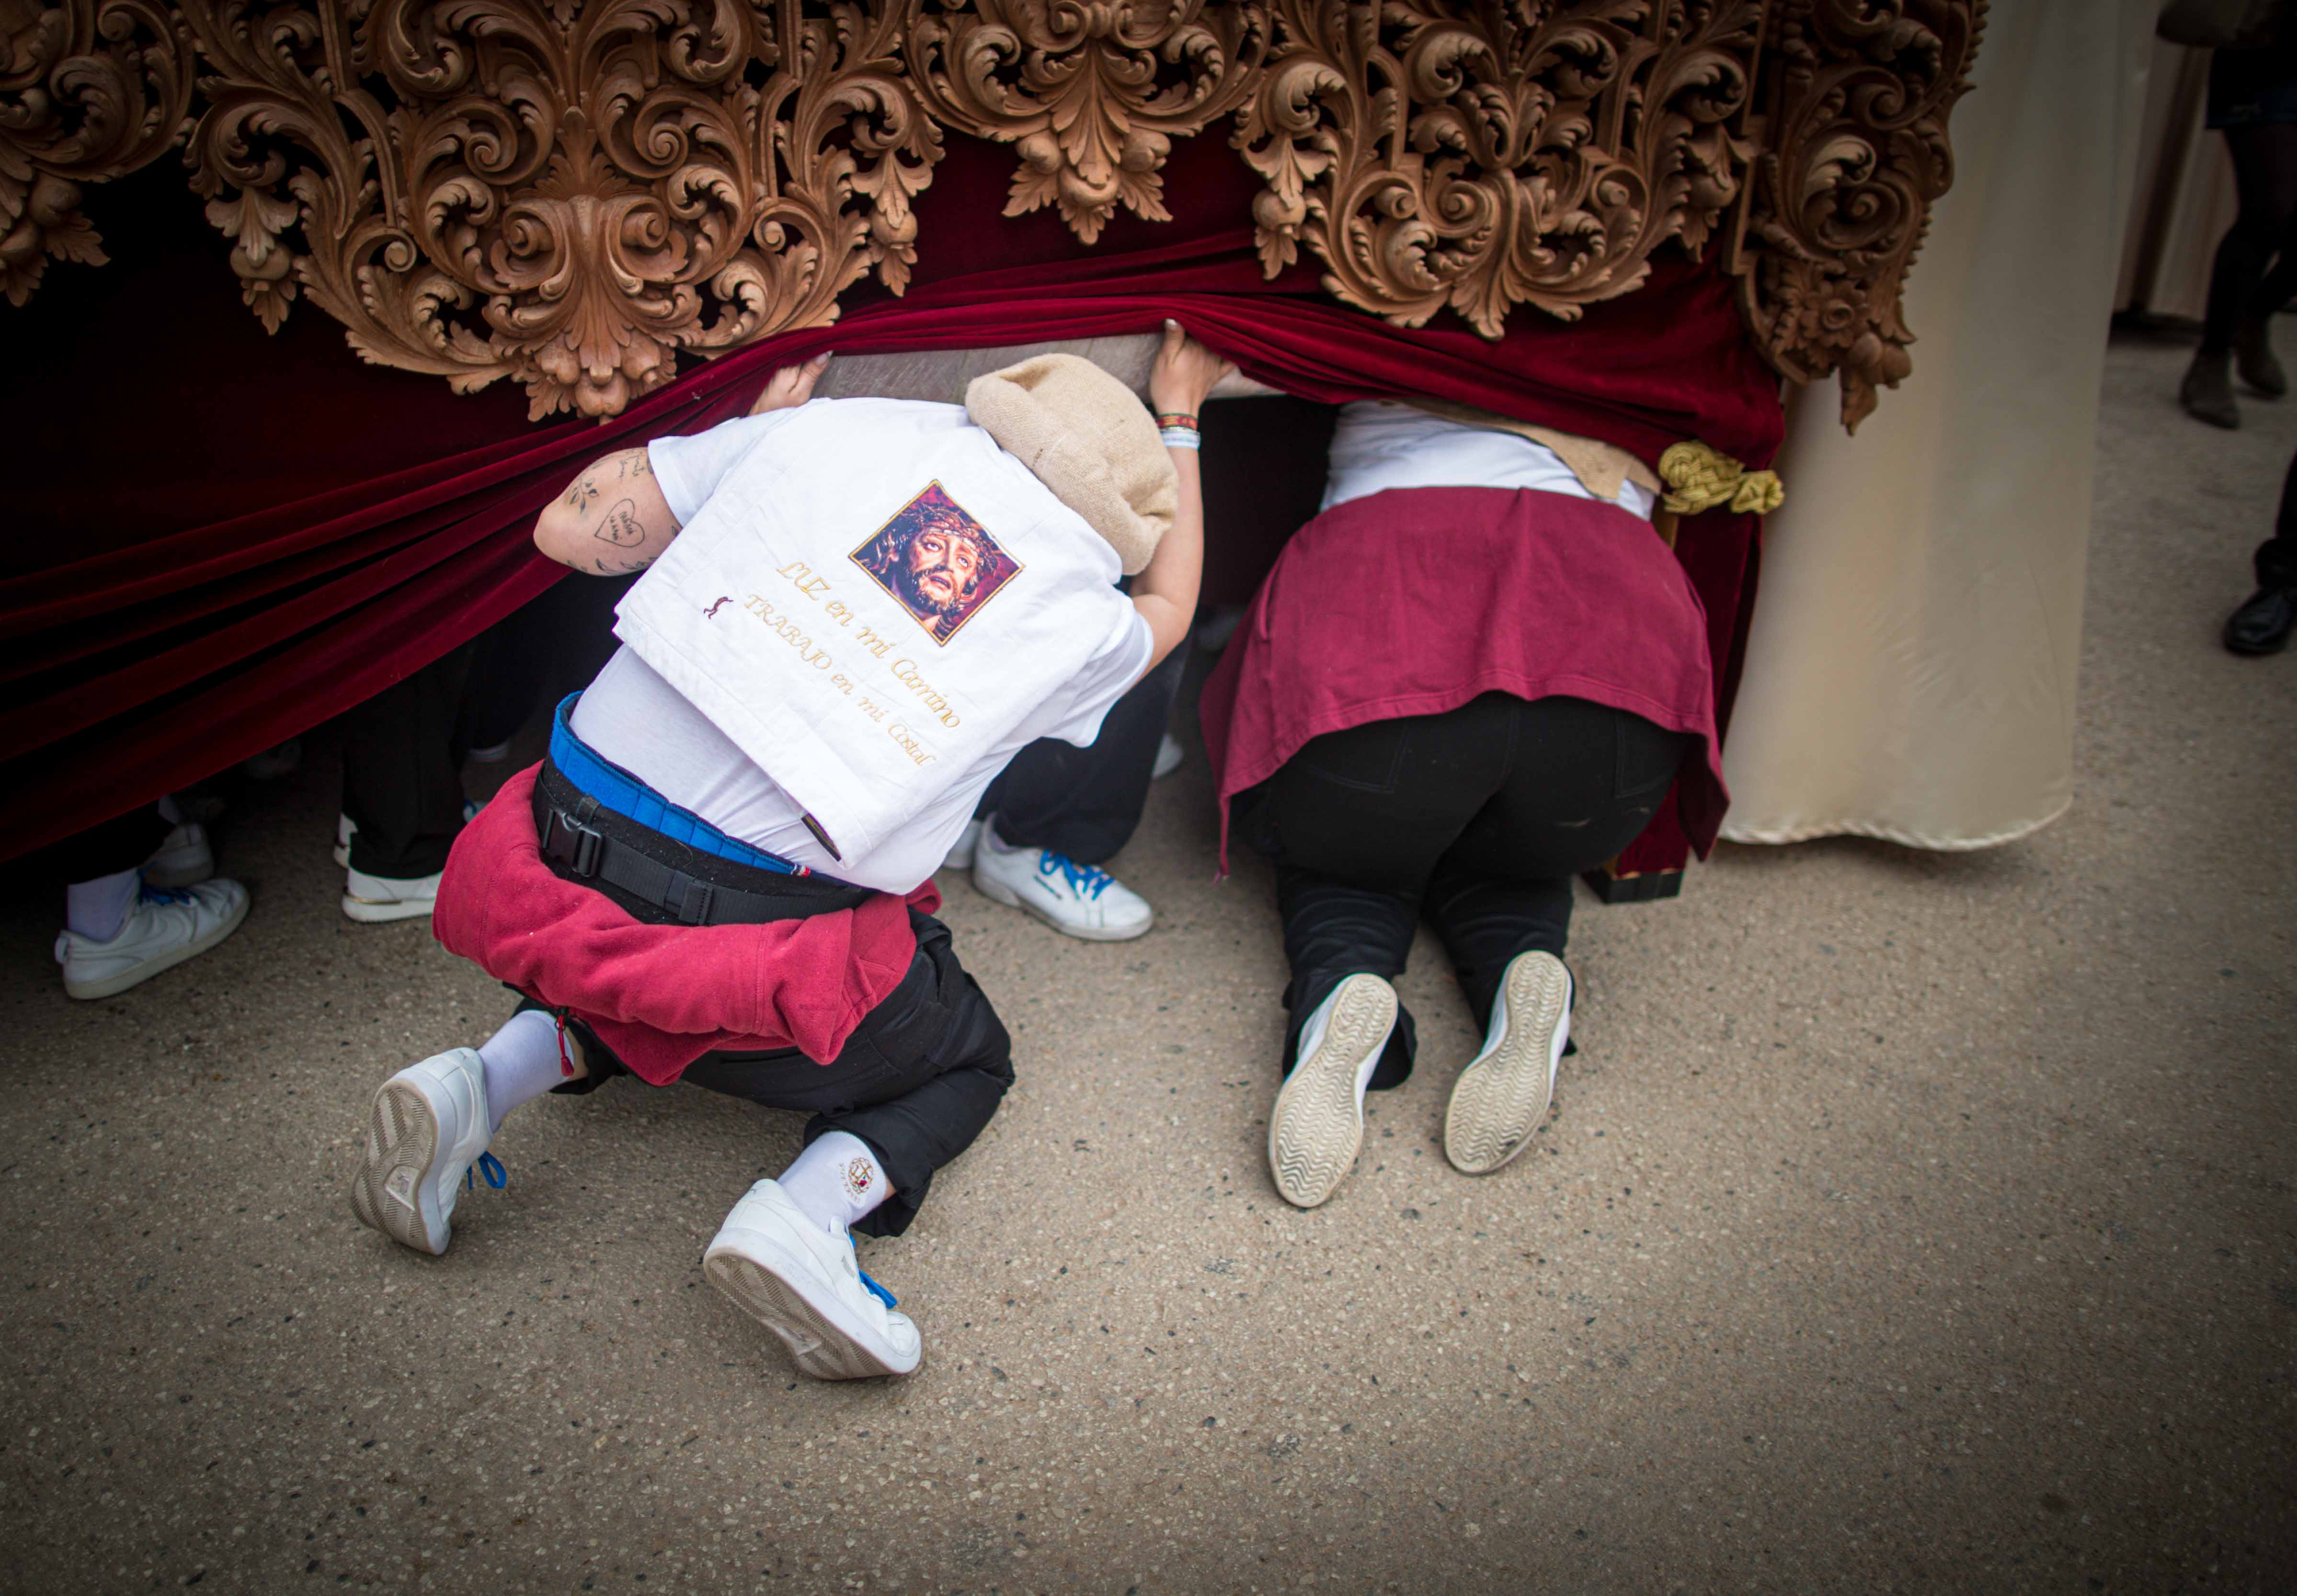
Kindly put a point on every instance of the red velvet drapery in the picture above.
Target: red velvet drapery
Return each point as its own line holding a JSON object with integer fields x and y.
{"x": 229, "y": 540}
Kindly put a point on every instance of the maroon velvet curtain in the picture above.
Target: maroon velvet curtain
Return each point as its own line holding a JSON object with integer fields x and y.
{"x": 233, "y": 539}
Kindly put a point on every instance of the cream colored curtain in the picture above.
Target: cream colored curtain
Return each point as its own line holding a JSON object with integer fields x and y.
{"x": 1910, "y": 671}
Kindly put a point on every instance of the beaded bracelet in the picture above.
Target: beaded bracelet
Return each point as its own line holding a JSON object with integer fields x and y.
{"x": 1182, "y": 437}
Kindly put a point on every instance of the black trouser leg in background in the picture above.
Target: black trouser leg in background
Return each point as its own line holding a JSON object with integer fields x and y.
{"x": 2264, "y": 182}
{"x": 109, "y": 846}
{"x": 1086, "y": 802}
{"x": 2276, "y": 559}
{"x": 403, "y": 754}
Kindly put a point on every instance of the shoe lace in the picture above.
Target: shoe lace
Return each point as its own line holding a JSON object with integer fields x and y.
{"x": 876, "y": 1290}
{"x": 1086, "y": 881}
{"x": 490, "y": 1167}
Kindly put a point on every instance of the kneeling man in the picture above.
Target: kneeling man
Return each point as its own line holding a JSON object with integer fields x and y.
{"x": 854, "y": 612}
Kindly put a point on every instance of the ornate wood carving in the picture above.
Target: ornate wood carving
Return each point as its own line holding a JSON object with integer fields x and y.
{"x": 1484, "y": 157}
{"x": 572, "y": 192}
{"x": 88, "y": 89}
{"x": 1093, "y": 92}
{"x": 563, "y": 193}
{"x": 1853, "y": 155}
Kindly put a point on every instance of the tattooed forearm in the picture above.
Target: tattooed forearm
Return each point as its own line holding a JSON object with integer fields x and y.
{"x": 621, "y": 526}
{"x": 632, "y": 463}
{"x": 581, "y": 492}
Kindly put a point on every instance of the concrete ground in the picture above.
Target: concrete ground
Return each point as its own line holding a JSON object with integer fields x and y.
{"x": 1909, "y": 1223}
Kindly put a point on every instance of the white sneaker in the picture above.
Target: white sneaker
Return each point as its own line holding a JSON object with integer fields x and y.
{"x": 163, "y": 929}
{"x": 373, "y": 899}
{"x": 803, "y": 1283}
{"x": 183, "y": 859}
{"x": 428, "y": 1127}
{"x": 1169, "y": 755}
{"x": 344, "y": 826}
{"x": 1317, "y": 1124}
{"x": 960, "y": 852}
{"x": 1502, "y": 1096}
{"x": 1085, "y": 901}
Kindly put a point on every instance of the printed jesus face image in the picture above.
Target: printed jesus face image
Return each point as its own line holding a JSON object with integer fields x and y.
{"x": 938, "y": 561}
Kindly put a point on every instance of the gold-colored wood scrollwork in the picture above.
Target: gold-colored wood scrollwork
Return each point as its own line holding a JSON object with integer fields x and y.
{"x": 1093, "y": 92}
{"x": 573, "y": 194}
{"x": 1854, "y": 156}
{"x": 88, "y": 89}
{"x": 567, "y": 195}
{"x": 1485, "y": 156}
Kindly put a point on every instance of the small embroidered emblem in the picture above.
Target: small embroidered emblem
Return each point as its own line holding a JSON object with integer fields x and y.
{"x": 858, "y": 1176}
{"x": 712, "y": 612}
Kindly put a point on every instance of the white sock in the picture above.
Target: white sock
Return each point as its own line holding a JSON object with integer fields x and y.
{"x": 98, "y": 908}
{"x": 835, "y": 1180}
{"x": 1311, "y": 1035}
{"x": 522, "y": 1062}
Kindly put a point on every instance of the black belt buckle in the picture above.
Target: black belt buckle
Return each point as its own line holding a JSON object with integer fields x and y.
{"x": 691, "y": 901}
{"x": 575, "y": 846}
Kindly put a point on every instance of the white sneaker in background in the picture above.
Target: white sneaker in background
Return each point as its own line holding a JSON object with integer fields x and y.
{"x": 1501, "y": 1098}
{"x": 1169, "y": 756}
{"x": 960, "y": 852}
{"x": 1085, "y": 901}
{"x": 1317, "y": 1124}
{"x": 344, "y": 827}
{"x": 183, "y": 859}
{"x": 376, "y": 900}
{"x": 803, "y": 1282}
{"x": 426, "y": 1129}
{"x": 163, "y": 929}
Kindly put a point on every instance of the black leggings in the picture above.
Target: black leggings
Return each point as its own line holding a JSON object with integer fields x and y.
{"x": 2263, "y": 235}
{"x": 1479, "y": 817}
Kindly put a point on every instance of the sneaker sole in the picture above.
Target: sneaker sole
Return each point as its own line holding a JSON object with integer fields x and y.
{"x": 402, "y": 1144}
{"x": 1317, "y": 1125}
{"x": 816, "y": 1345}
{"x": 1499, "y": 1099}
{"x": 998, "y": 892}
{"x": 369, "y": 912}
{"x": 111, "y": 986}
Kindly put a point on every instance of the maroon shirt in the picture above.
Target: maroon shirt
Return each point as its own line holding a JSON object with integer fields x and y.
{"x": 1416, "y": 600}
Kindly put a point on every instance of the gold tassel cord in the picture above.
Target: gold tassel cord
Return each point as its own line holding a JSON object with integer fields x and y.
{"x": 1699, "y": 477}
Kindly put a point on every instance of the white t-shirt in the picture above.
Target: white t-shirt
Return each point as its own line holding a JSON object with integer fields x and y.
{"x": 632, "y": 716}
{"x": 1380, "y": 444}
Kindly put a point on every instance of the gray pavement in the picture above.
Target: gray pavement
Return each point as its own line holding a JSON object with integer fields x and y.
{"x": 1908, "y": 1222}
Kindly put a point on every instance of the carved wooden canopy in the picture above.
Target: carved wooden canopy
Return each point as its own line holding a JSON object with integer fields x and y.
{"x": 571, "y": 192}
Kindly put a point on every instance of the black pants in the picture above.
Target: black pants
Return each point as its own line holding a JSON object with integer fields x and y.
{"x": 1086, "y": 802}
{"x": 2276, "y": 559}
{"x": 403, "y": 753}
{"x": 2255, "y": 271}
{"x": 917, "y": 1081}
{"x": 109, "y": 846}
{"x": 1479, "y": 816}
